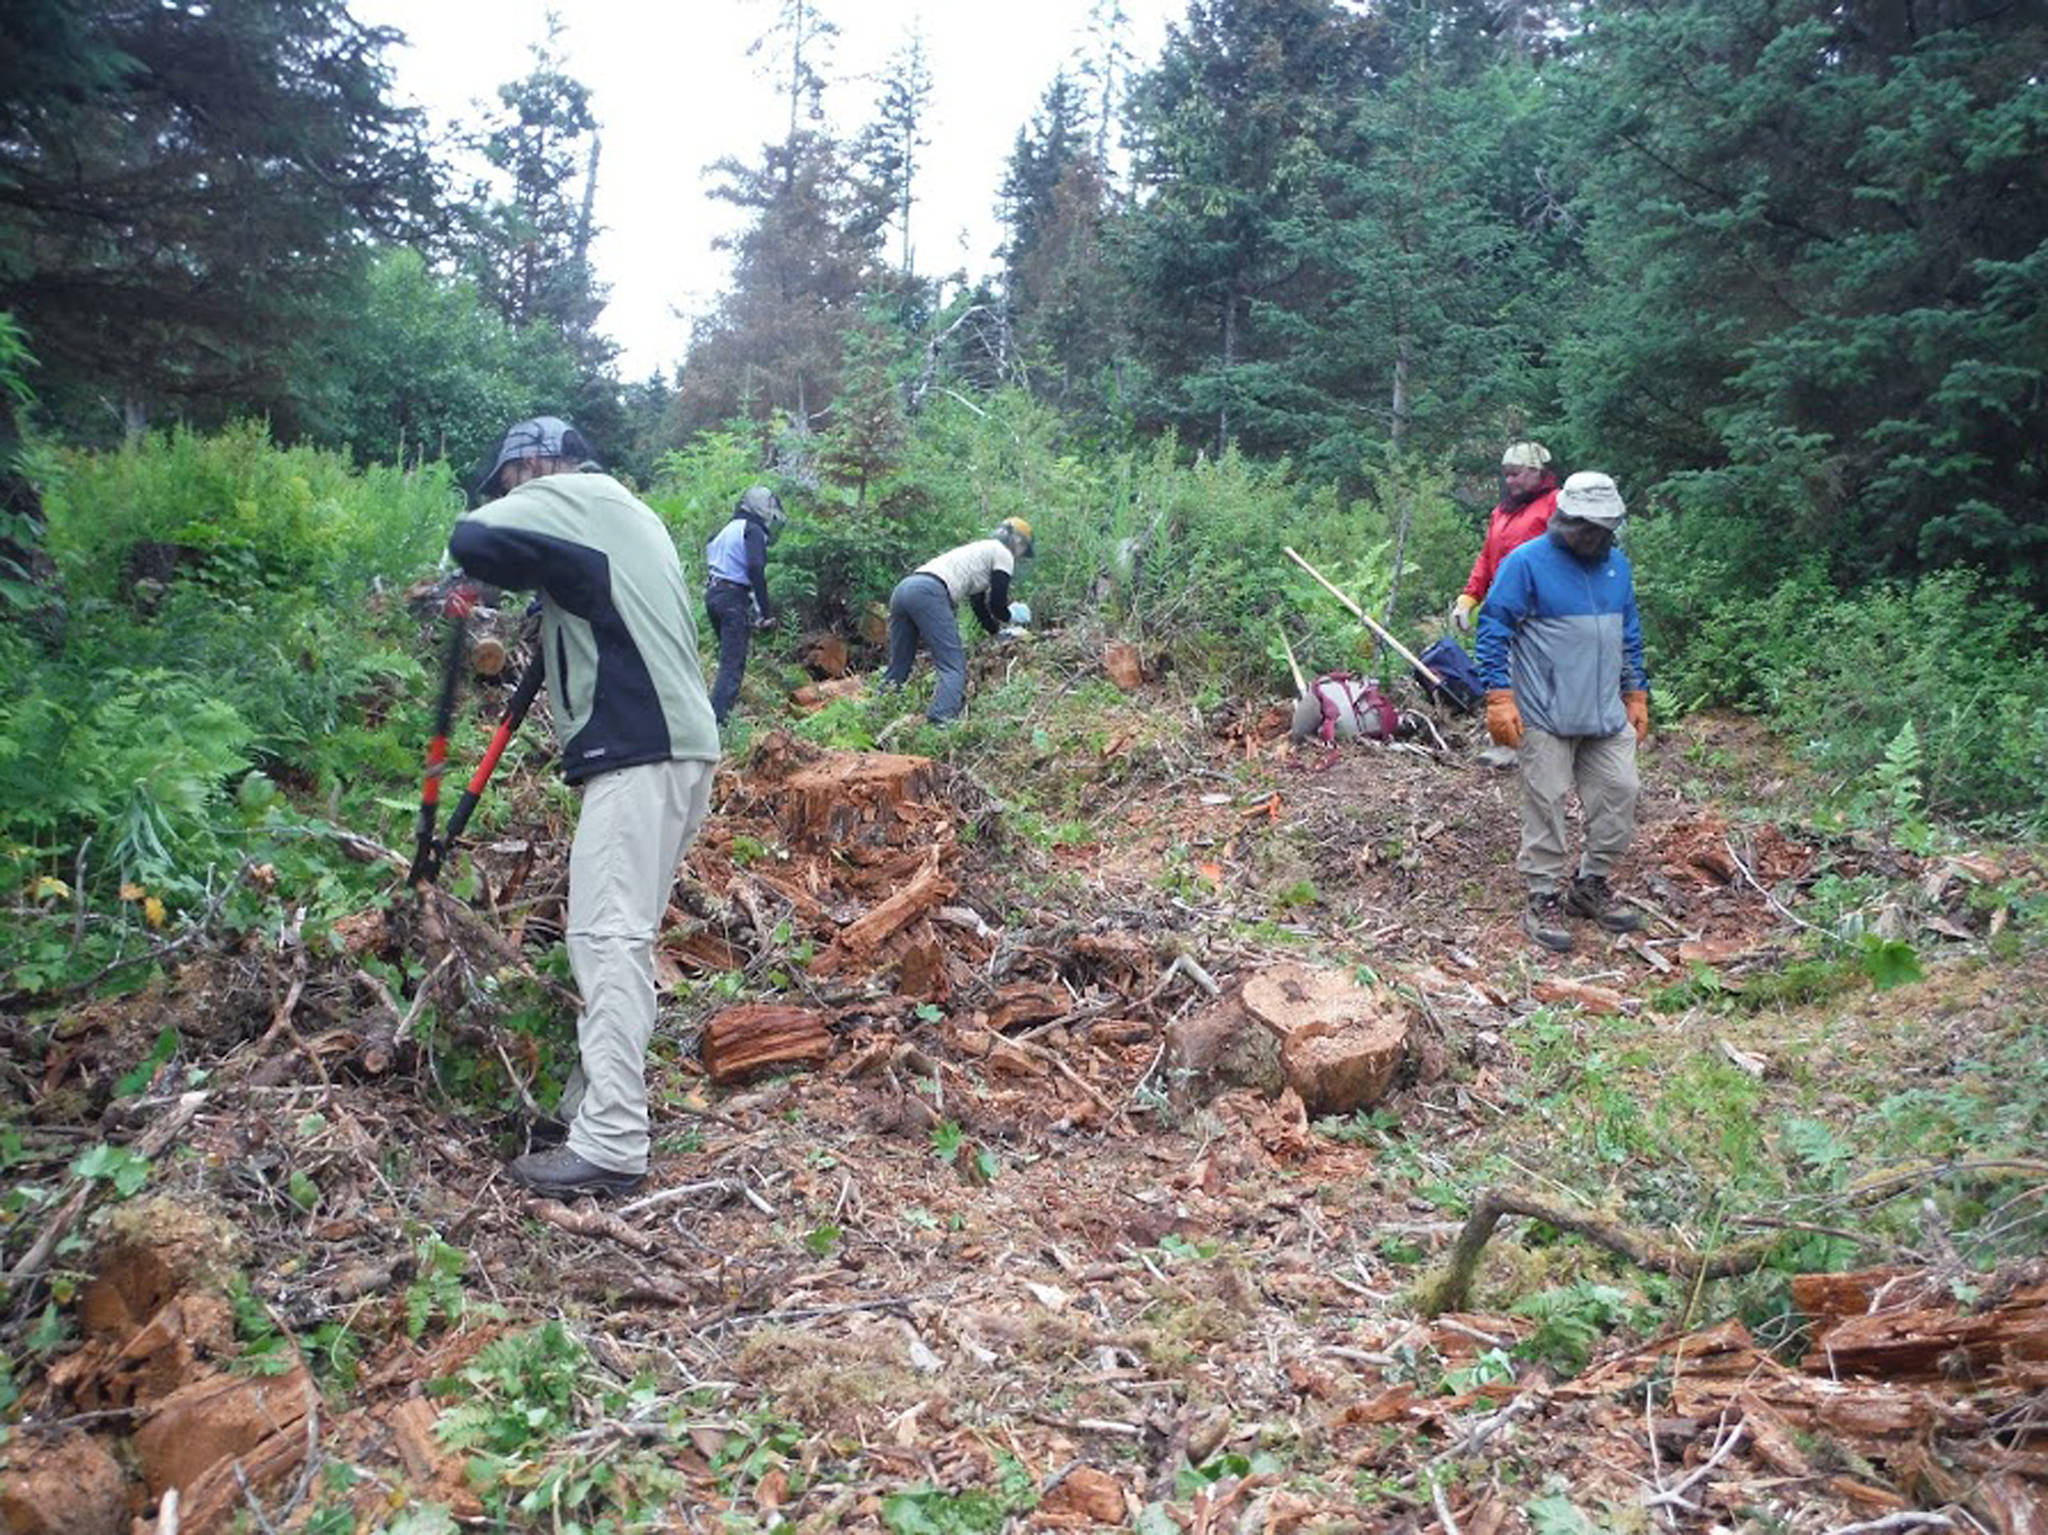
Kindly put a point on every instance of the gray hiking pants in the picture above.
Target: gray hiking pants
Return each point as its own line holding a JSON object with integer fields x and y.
{"x": 920, "y": 609}
{"x": 1603, "y": 770}
{"x": 635, "y": 823}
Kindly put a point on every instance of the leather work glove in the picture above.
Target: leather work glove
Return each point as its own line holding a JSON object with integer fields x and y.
{"x": 1637, "y": 702}
{"x": 762, "y": 625}
{"x": 1462, "y": 611}
{"x": 1503, "y": 719}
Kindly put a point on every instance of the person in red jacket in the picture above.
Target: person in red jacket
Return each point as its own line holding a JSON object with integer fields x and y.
{"x": 1523, "y": 513}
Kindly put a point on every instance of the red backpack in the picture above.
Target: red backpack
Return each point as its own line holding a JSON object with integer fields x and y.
{"x": 1346, "y": 695}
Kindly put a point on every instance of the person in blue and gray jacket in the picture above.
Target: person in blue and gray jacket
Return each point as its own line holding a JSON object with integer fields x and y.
{"x": 737, "y": 558}
{"x": 1561, "y": 656}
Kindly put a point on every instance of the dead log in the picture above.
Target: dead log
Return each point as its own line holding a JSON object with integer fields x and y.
{"x": 1026, "y": 1002}
{"x": 1935, "y": 1342}
{"x": 702, "y": 950}
{"x": 217, "y": 1418}
{"x": 70, "y": 1485}
{"x": 1219, "y": 1048}
{"x": 591, "y": 1223}
{"x": 921, "y": 970}
{"x": 743, "y": 1042}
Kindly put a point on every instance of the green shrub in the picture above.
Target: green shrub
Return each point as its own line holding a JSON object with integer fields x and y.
{"x": 247, "y": 512}
{"x": 1845, "y": 674}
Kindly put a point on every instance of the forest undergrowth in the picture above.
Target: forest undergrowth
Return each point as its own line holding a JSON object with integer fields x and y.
{"x": 966, "y": 1275}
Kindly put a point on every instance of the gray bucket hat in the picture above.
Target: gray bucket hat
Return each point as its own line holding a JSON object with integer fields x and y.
{"x": 537, "y": 437}
{"x": 1591, "y": 497}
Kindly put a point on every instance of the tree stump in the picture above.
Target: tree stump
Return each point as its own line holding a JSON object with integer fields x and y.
{"x": 874, "y": 798}
{"x": 742, "y": 1042}
{"x": 825, "y": 657}
{"x": 1335, "y": 1042}
{"x": 1123, "y": 665}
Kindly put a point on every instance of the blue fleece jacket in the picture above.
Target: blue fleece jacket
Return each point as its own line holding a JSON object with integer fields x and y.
{"x": 1565, "y": 636}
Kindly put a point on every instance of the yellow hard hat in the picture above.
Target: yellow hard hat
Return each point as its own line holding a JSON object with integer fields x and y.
{"x": 1021, "y": 531}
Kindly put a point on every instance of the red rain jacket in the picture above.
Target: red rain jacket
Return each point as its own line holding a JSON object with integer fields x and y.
{"x": 1508, "y": 529}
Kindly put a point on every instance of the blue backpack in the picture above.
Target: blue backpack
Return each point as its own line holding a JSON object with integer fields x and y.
{"x": 1461, "y": 689}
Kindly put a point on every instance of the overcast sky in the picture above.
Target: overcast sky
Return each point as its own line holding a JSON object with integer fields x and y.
{"x": 674, "y": 89}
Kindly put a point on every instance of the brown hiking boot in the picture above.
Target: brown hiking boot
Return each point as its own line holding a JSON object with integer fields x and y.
{"x": 562, "y": 1171}
{"x": 1543, "y": 921}
{"x": 1590, "y": 897}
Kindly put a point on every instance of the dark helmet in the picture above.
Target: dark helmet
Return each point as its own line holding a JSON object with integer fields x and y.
{"x": 539, "y": 437}
{"x": 761, "y": 502}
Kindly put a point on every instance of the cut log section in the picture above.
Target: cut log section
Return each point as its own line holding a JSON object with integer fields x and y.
{"x": 743, "y": 1042}
{"x": 859, "y": 940}
{"x": 813, "y": 696}
{"x": 1336, "y": 1043}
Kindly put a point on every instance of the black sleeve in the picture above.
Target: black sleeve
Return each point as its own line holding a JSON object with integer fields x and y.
{"x": 982, "y": 616}
{"x": 757, "y": 566}
{"x": 574, "y": 575}
{"x": 502, "y": 556}
{"x": 999, "y": 596}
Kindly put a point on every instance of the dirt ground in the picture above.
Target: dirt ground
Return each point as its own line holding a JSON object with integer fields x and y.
{"x": 968, "y": 1256}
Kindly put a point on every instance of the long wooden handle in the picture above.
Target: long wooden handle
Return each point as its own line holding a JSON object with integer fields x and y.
{"x": 1294, "y": 666}
{"x": 1367, "y": 619}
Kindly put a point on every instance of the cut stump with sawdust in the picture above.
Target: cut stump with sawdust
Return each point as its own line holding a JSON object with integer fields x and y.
{"x": 869, "y": 798}
{"x": 743, "y": 1042}
{"x": 1337, "y": 1043}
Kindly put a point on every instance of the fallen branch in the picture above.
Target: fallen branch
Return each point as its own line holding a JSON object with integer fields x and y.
{"x": 1453, "y": 1290}
{"x": 591, "y": 1223}
{"x": 1676, "y": 1495}
{"x": 667, "y": 1196}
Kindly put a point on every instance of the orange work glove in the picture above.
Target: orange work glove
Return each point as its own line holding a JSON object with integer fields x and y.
{"x": 1503, "y": 719}
{"x": 1637, "y": 702}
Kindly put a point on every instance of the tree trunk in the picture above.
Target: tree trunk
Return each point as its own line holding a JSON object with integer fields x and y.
{"x": 1397, "y": 426}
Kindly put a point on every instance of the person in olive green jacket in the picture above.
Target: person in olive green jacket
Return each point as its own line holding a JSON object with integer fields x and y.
{"x": 620, "y": 642}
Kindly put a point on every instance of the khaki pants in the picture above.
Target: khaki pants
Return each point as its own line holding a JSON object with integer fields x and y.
{"x": 1603, "y": 770}
{"x": 634, "y": 826}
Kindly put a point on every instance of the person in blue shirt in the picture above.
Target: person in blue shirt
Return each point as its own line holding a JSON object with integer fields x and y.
{"x": 737, "y": 595}
{"x": 1561, "y": 657}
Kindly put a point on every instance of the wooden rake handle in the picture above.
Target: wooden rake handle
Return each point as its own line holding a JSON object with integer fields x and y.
{"x": 1367, "y": 619}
